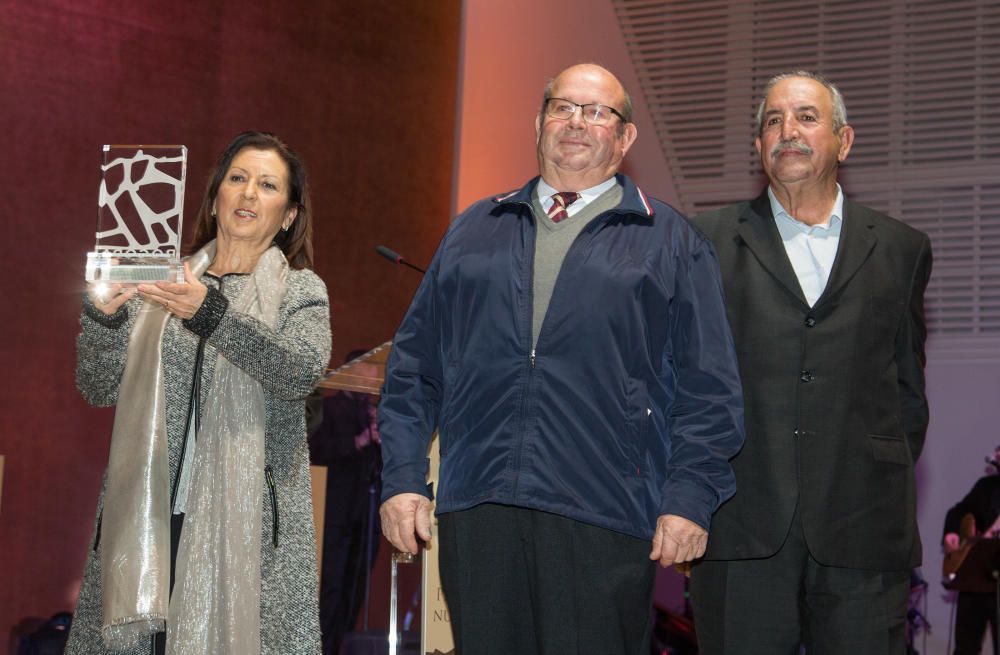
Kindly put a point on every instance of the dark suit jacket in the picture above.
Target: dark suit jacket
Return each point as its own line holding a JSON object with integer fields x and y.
{"x": 835, "y": 406}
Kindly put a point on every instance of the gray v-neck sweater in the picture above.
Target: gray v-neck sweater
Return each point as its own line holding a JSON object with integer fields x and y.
{"x": 552, "y": 242}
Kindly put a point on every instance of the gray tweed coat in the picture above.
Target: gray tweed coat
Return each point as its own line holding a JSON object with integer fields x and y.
{"x": 287, "y": 361}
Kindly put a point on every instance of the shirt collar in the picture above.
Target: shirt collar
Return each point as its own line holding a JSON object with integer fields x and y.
{"x": 544, "y": 191}
{"x": 836, "y": 215}
{"x": 634, "y": 201}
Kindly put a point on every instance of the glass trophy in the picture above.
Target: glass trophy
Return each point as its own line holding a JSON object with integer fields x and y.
{"x": 140, "y": 208}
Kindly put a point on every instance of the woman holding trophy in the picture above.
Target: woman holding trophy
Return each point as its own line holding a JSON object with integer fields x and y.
{"x": 204, "y": 541}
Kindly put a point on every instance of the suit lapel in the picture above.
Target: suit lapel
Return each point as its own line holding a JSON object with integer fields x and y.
{"x": 757, "y": 229}
{"x": 857, "y": 239}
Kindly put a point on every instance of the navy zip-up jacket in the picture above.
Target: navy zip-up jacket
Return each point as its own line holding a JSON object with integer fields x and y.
{"x": 629, "y": 408}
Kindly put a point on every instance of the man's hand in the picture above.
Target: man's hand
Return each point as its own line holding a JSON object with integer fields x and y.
{"x": 677, "y": 540}
{"x": 404, "y": 518}
{"x": 951, "y": 542}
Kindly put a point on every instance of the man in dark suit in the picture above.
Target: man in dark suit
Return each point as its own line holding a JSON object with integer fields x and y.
{"x": 825, "y": 300}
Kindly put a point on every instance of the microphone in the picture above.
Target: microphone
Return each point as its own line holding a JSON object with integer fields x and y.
{"x": 396, "y": 258}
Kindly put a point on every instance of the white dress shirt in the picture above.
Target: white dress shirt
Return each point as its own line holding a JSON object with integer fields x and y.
{"x": 544, "y": 192}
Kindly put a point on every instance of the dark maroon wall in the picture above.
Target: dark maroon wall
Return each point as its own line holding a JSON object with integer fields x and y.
{"x": 365, "y": 91}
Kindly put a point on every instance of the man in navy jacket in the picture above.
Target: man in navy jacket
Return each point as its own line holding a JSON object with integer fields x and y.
{"x": 570, "y": 344}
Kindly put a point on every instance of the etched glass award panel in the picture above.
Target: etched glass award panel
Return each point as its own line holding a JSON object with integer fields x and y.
{"x": 140, "y": 210}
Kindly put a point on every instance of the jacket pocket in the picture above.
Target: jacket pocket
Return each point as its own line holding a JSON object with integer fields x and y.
{"x": 636, "y": 426}
{"x": 273, "y": 494}
{"x": 891, "y": 449}
{"x": 447, "y": 406}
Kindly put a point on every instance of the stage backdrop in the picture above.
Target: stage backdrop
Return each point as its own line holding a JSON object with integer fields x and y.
{"x": 364, "y": 91}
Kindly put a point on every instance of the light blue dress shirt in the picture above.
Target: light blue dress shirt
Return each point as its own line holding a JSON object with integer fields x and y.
{"x": 811, "y": 248}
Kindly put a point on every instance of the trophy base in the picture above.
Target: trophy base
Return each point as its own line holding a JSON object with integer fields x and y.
{"x": 132, "y": 269}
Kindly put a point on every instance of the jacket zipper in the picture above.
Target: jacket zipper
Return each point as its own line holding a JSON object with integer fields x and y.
{"x": 516, "y": 465}
{"x": 533, "y": 354}
{"x": 275, "y": 527}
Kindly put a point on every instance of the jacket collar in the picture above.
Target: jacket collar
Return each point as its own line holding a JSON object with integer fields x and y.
{"x": 757, "y": 228}
{"x": 634, "y": 201}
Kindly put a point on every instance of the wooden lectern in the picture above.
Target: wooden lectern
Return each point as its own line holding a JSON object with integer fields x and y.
{"x": 435, "y": 624}
{"x": 352, "y": 376}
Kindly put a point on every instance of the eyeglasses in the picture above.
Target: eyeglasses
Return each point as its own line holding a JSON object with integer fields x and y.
{"x": 593, "y": 114}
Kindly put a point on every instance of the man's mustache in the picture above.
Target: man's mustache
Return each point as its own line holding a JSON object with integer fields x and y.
{"x": 781, "y": 146}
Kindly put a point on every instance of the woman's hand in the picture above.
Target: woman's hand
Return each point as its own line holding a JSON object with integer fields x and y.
{"x": 109, "y": 298}
{"x": 181, "y": 300}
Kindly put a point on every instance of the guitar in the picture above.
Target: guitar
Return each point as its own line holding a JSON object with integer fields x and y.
{"x": 968, "y": 539}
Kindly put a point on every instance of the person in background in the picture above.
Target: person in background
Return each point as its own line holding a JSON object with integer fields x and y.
{"x": 975, "y": 610}
{"x": 347, "y": 444}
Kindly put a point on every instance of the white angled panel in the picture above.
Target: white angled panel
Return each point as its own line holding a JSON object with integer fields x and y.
{"x": 922, "y": 85}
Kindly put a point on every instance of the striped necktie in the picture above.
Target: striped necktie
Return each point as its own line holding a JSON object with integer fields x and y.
{"x": 560, "y": 201}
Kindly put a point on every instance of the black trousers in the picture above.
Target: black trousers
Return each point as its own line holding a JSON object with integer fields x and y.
{"x": 532, "y": 583}
{"x": 772, "y": 606}
{"x": 973, "y": 614}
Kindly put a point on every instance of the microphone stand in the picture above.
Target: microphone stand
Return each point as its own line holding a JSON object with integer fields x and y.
{"x": 396, "y": 258}
{"x": 369, "y": 543}
{"x": 371, "y": 454}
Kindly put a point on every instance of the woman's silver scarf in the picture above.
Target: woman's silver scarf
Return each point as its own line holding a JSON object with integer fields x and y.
{"x": 216, "y": 601}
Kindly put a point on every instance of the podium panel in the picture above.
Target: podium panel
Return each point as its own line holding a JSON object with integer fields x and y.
{"x": 365, "y": 374}
{"x": 317, "y": 478}
{"x": 435, "y": 626}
